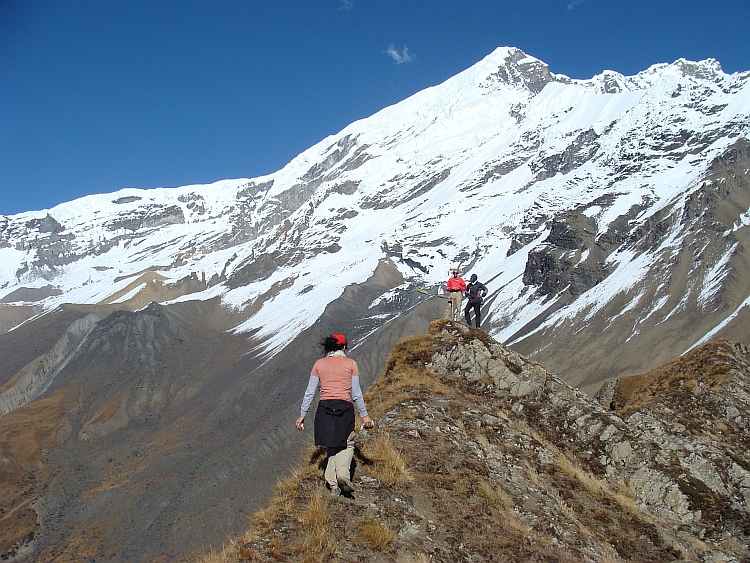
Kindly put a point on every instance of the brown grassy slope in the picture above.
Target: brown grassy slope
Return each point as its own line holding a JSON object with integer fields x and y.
{"x": 711, "y": 365}
{"x": 481, "y": 455}
{"x": 24, "y": 439}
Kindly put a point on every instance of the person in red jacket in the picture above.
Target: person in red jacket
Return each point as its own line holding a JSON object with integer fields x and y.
{"x": 455, "y": 287}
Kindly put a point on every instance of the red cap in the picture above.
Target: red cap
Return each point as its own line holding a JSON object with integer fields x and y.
{"x": 339, "y": 338}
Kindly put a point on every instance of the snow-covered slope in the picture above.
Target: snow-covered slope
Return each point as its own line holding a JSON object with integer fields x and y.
{"x": 615, "y": 205}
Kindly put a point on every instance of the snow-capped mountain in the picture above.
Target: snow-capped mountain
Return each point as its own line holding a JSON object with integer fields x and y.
{"x": 609, "y": 218}
{"x": 612, "y": 207}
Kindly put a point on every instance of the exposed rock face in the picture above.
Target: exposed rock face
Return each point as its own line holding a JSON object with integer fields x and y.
{"x": 30, "y": 294}
{"x": 36, "y": 377}
{"x": 502, "y": 460}
{"x": 678, "y": 451}
{"x": 150, "y": 419}
{"x": 565, "y": 261}
{"x": 701, "y": 237}
{"x": 611, "y": 210}
{"x": 521, "y": 70}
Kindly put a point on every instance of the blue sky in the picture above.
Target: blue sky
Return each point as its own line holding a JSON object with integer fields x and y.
{"x": 100, "y": 95}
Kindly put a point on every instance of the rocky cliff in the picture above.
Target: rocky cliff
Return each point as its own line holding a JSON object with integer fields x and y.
{"x": 482, "y": 455}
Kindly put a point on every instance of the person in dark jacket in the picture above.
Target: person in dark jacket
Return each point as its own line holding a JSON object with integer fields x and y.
{"x": 338, "y": 379}
{"x": 475, "y": 293}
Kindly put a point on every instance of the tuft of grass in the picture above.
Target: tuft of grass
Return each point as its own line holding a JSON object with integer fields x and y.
{"x": 389, "y": 467}
{"x": 282, "y": 502}
{"x": 733, "y": 545}
{"x": 263, "y": 521}
{"x": 214, "y": 556}
{"x": 315, "y": 543}
{"x": 498, "y": 498}
{"x": 315, "y": 515}
{"x": 625, "y": 489}
{"x": 378, "y": 535}
{"x": 380, "y": 402}
{"x": 722, "y": 427}
{"x": 484, "y": 488}
{"x": 398, "y": 385}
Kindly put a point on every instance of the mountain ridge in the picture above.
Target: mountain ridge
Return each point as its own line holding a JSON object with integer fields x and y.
{"x": 608, "y": 217}
{"x": 273, "y": 229}
{"x": 481, "y": 455}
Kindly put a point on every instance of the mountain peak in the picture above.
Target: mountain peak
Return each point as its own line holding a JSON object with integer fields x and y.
{"x": 706, "y": 69}
{"x": 510, "y": 66}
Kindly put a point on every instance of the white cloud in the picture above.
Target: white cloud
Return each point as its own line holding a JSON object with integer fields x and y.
{"x": 403, "y": 57}
{"x": 346, "y": 4}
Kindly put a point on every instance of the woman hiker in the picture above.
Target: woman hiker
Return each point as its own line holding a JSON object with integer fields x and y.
{"x": 338, "y": 378}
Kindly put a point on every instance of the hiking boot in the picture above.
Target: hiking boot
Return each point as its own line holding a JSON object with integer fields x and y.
{"x": 335, "y": 492}
{"x": 345, "y": 485}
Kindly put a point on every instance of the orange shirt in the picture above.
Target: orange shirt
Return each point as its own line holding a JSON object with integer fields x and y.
{"x": 335, "y": 373}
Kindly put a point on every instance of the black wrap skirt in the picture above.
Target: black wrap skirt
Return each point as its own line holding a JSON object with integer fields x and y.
{"x": 334, "y": 421}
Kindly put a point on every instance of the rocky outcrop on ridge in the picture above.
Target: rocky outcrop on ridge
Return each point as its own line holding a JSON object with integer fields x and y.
{"x": 482, "y": 455}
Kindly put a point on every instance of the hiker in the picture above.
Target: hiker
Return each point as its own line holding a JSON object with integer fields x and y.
{"x": 455, "y": 286}
{"x": 475, "y": 293}
{"x": 338, "y": 378}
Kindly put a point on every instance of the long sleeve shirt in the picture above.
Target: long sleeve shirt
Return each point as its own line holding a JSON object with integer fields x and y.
{"x": 338, "y": 378}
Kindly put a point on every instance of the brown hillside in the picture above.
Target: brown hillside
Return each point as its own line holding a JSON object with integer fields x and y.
{"x": 712, "y": 366}
{"x": 24, "y": 441}
{"x": 482, "y": 455}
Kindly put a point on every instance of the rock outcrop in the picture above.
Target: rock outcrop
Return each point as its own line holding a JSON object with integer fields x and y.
{"x": 482, "y": 455}
{"x": 36, "y": 377}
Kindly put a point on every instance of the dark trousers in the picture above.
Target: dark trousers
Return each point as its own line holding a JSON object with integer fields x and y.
{"x": 477, "y": 316}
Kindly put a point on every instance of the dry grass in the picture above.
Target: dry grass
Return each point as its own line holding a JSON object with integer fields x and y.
{"x": 385, "y": 401}
{"x": 282, "y": 503}
{"x": 106, "y": 410}
{"x": 399, "y": 385}
{"x": 598, "y": 487}
{"x": 377, "y": 535}
{"x": 624, "y": 496}
{"x": 389, "y": 467}
{"x": 315, "y": 543}
{"x": 486, "y": 489}
{"x": 733, "y": 545}
{"x": 25, "y": 434}
{"x": 625, "y": 489}
{"x": 554, "y": 494}
{"x": 227, "y": 553}
{"x": 496, "y": 497}
{"x": 460, "y": 501}
{"x": 711, "y": 365}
